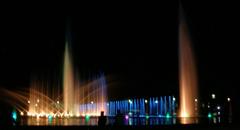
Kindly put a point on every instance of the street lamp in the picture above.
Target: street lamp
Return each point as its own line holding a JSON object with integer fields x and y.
{"x": 228, "y": 99}
{"x": 129, "y": 101}
{"x": 174, "y": 99}
{"x": 21, "y": 113}
{"x": 213, "y": 96}
{"x": 146, "y": 101}
{"x": 195, "y": 100}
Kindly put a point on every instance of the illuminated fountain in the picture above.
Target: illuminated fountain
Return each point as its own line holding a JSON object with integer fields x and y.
{"x": 68, "y": 83}
{"x": 187, "y": 72}
{"x": 86, "y": 99}
{"x": 77, "y": 99}
{"x": 73, "y": 99}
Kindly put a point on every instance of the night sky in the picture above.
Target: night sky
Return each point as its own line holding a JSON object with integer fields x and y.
{"x": 136, "y": 46}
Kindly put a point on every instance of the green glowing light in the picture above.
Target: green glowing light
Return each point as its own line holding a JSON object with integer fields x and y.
{"x": 209, "y": 115}
{"x": 14, "y": 115}
{"x": 50, "y": 117}
{"x": 168, "y": 115}
{"x": 87, "y": 117}
{"x": 147, "y": 117}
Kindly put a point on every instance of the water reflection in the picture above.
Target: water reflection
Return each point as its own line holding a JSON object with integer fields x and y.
{"x": 58, "y": 121}
{"x": 189, "y": 120}
{"x": 132, "y": 121}
{"x": 215, "y": 120}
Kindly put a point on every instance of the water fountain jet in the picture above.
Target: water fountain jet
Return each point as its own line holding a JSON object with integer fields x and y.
{"x": 187, "y": 71}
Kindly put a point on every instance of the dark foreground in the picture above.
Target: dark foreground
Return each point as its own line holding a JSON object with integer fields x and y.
{"x": 169, "y": 127}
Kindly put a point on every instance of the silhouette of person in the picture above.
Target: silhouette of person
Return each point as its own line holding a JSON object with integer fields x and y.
{"x": 102, "y": 119}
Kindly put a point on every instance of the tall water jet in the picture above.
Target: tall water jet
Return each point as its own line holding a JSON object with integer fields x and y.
{"x": 88, "y": 97}
{"x": 187, "y": 71}
{"x": 68, "y": 82}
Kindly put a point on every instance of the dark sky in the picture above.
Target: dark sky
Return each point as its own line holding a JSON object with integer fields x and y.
{"x": 214, "y": 28}
{"x": 135, "y": 45}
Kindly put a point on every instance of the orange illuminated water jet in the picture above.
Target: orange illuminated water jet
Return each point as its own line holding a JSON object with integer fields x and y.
{"x": 68, "y": 83}
{"x": 187, "y": 72}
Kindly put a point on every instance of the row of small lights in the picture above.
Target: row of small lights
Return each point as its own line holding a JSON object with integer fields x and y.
{"x": 130, "y": 101}
{"x": 56, "y": 115}
{"x": 218, "y": 107}
{"x": 146, "y": 101}
{"x": 174, "y": 99}
{"x": 57, "y": 102}
{"x": 39, "y": 101}
{"x": 53, "y": 115}
{"x": 213, "y": 97}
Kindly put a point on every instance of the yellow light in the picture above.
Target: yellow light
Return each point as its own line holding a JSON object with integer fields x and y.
{"x": 184, "y": 114}
{"x": 28, "y": 113}
{"x": 33, "y": 114}
{"x": 66, "y": 115}
{"x": 78, "y": 115}
{"x": 62, "y": 114}
{"x": 71, "y": 114}
{"x": 21, "y": 113}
